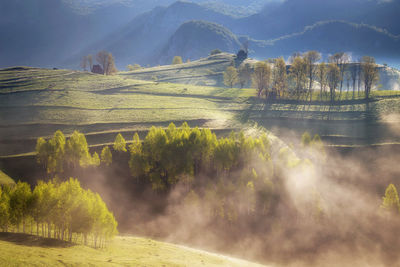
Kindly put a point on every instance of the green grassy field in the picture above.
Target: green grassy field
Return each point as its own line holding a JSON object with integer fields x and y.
{"x": 25, "y": 250}
{"x": 206, "y": 71}
{"x": 37, "y": 102}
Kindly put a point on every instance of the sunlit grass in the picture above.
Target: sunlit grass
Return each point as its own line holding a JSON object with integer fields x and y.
{"x": 122, "y": 251}
{"x": 65, "y": 99}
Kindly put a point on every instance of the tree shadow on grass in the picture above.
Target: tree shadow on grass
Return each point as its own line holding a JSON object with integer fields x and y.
{"x": 34, "y": 241}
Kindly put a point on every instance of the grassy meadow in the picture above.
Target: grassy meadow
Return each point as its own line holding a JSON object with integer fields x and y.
{"x": 37, "y": 102}
{"x": 26, "y": 250}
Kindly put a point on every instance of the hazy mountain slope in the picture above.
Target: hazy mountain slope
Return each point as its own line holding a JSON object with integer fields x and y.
{"x": 147, "y": 34}
{"x": 37, "y": 34}
{"x": 229, "y": 7}
{"x": 44, "y": 32}
{"x": 332, "y": 36}
{"x": 195, "y": 39}
{"x": 57, "y": 33}
{"x": 293, "y": 15}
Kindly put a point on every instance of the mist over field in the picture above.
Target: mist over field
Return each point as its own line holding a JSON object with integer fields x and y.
{"x": 199, "y": 133}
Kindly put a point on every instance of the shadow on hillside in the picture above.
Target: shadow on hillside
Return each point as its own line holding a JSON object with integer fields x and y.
{"x": 33, "y": 241}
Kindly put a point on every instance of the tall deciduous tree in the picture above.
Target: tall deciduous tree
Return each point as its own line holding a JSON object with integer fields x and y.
{"x": 177, "y": 60}
{"x": 391, "y": 201}
{"x": 101, "y": 58}
{"x": 279, "y": 77}
{"x": 244, "y": 74}
{"x": 110, "y": 68}
{"x": 298, "y": 73}
{"x": 106, "y": 156}
{"x": 4, "y": 209}
{"x": 322, "y": 78}
{"x": 262, "y": 78}
{"x": 370, "y": 74}
{"x": 310, "y": 60}
{"x": 106, "y": 60}
{"x": 354, "y": 76}
{"x": 19, "y": 204}
{"x": 333, "y": 76}
{"x": 230, "y": 76}
{"x": 341, "y": 60}
{"x": 77, "y": 150}
{"x": 120, "y": 143}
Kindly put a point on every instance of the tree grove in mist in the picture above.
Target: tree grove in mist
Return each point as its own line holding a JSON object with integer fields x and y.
{"x": 61, "y": 210}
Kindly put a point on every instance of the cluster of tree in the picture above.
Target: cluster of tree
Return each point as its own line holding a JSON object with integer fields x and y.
{"x": 177, "y": 60}
{"x": 166, "y": 157}
{"x": 60, "y": 210}
{"x": 241, "y": 76}
{"x": 215, "y": 52}
{"x": 106, "y": 63}
{"x": 58, "y": 152}
{"x": 131, "y": 67}
{"x": 219, "y": 173}
{"x": 273, "y": 79}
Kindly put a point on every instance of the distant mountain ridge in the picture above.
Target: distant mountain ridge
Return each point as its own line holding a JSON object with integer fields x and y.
{"x": 330, "y": 36}
{"x": 50, "y": 33}
{"x": 147, "y": 34}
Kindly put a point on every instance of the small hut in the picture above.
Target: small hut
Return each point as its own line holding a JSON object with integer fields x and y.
{"x": 97, "y": 69}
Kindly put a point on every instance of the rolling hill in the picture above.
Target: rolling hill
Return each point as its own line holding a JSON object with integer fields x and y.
{"x": 37, "y": 102}
{"x": 195, "y": 39}
{"x": 272, "y": 32}
{"x": 25, "y": 250}
{"x": 142, "y": 39}
{"x": 47, "y": 32}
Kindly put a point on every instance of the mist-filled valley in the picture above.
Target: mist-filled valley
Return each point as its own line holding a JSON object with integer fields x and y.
{"x": 199, "y": 133}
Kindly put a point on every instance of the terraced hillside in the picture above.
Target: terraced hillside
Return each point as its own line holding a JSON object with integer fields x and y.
{"x": 207, "y": 71}
{"x": 37, "y": 102}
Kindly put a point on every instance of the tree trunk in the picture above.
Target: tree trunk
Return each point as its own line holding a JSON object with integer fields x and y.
{"x": 62, "y": 232}
{"x": 48, "y": 230}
